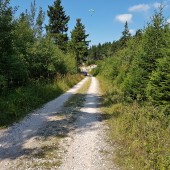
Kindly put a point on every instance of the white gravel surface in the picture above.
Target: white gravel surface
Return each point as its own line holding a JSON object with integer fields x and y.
{"x": 88, "y": 149}
{"x": 84, "y": 147}
{"x": 13, "y": 139}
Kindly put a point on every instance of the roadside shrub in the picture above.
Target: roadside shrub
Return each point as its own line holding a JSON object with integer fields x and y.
{"x": 158, "y": 89}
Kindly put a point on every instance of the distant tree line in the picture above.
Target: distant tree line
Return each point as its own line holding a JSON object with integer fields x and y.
{"x": 30, "y": 50}
{"x": 108, "y": 49}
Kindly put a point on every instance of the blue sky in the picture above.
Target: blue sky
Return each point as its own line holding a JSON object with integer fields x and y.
{"x": 106, "y": 22}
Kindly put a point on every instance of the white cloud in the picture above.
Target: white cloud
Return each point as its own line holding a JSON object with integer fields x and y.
{"x": 132, "y": 31}
{"x": 139, "y": 8}
{"x": 157, "y": 5}
{"x": 168, "y": 20}
{"x": 124, "y": 17}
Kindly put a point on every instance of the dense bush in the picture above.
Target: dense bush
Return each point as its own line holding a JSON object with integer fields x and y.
{"x": 18, "y": 102}
{"x": 158, "y": 89}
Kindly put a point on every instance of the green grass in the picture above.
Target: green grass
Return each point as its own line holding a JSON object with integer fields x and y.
{"x": 141, "y": 133}
{"x": 15, "y": 104}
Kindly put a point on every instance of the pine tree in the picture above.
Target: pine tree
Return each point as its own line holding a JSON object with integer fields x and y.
{"x": 158, "y": 87}
{"x": 154, "y": 41}
{"x": 32, "y": 14}
{"x": 58, "y": 24}
{"x": 78, "y": 43}
{"x": 153, "y": 44}
{"x": 39, "y": 23}
{"x": 125, "y": 35}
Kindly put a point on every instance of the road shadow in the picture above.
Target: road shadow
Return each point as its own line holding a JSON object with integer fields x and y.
{"x": 79, "y": 116}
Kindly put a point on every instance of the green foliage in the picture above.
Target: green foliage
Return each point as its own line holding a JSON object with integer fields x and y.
{"x": 43, "y": 59}
{"x": 158, "y": 89}
{"x": 3, "y": 82}
{"x": 30, "y": 60}
{"x": 58, "y": 24}
{"x": 136, "y": 87}
{"x": 78, "y": 42}
{"x": 102, "y": 51}
{"x": 134, "y": 82}
{"x": 141, "y": 133}
{"x": 154, "y": 41}
{"x": 125, "y": 35}
{"x": 15, "y": 104}
{"x": 70, "y": 62}
{"x": 6, "y": 27}
{"x": 110, "y": 68}
{"x": 130, "y": 67}
{"x": 39, "y": 23}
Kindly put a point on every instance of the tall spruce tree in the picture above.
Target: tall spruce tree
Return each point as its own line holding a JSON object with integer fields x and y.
{"x": 154, "y": 41}
{"x": 78, "y": 43}
{"x": 58, "y": 21}
{"x": 125, "y": 35}
{"x": 39, "y": 23}
{"x": 158, "y": 87}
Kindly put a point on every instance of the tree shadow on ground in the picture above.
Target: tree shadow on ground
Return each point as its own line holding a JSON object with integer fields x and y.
{"x": 76, "y": 117}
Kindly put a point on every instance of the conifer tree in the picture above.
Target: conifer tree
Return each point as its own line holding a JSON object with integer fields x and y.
{"x": 57, "y": 27}
{"x": 39, "y": 23}
{"x": 32, "y": 14}
{"x": 154, "y": 41}
{"x": 78, "y": 43}
{"x": 125, "y": 35}
{"x": 158, "y": 87}
{"x": 154, "y": 44}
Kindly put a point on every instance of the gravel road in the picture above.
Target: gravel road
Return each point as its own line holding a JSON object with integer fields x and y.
{"x": 85, "y": 145}
{"x": 13, "y": 139}
{"x": 88, "y": 148}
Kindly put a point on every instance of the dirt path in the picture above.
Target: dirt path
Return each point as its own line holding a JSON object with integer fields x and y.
{"x": 87, "y": 150}
{"x": 13, "y": 141}
{"x": 54, "y": 138}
